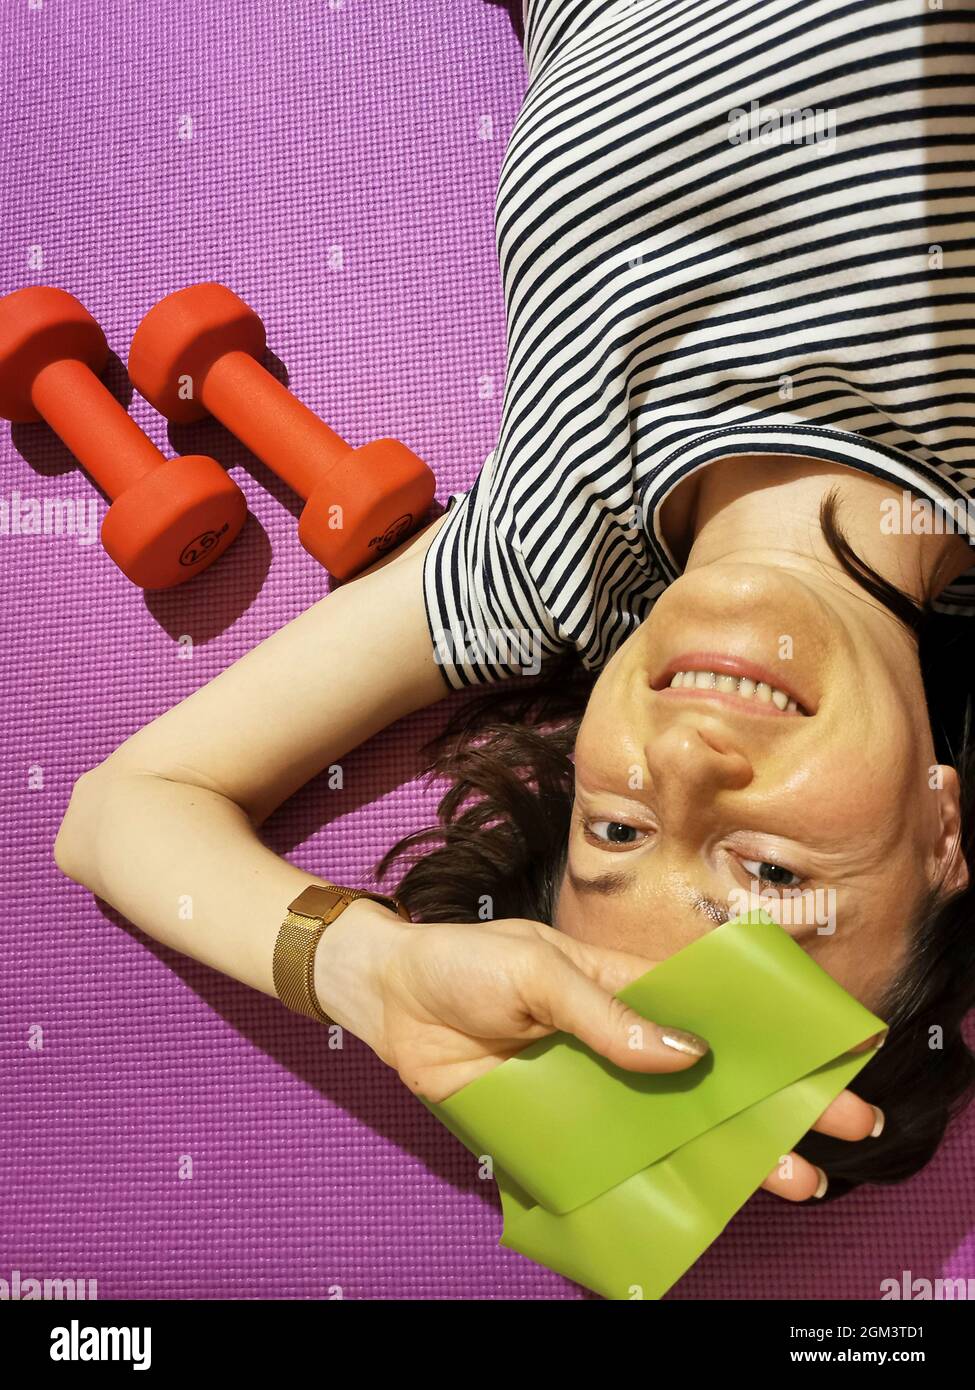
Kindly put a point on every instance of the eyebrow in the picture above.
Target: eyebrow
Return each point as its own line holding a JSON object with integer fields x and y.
{"x": 614, "y": 883}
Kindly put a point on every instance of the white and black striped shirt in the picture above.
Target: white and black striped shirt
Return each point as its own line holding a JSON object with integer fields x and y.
{"x": 686, "y": 280}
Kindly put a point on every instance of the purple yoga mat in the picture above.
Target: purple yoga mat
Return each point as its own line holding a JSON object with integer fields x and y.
{"x": 340, "y": 175}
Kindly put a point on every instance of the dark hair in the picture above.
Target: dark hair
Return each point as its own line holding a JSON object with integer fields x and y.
{"x": 502, "y": 835}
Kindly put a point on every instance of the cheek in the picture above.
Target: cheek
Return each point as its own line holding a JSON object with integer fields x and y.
{"x": 843, "y": 788}
{"x": 608, "y": 753}
{"x": 878, "y": 754}
{"x": 602, "y": 717}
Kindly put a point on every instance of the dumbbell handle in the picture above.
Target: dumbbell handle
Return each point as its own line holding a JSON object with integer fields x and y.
{"x": 273, "y": 423}
{"x": 86, "y": 416}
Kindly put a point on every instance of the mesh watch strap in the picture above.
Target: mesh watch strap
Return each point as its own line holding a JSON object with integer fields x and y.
{"x": 293, "y": 964}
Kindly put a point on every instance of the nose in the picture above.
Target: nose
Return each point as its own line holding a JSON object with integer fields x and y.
{"x": 692, "y": 761}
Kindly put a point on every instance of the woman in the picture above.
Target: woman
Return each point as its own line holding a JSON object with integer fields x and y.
{"x": 737, "y": 342}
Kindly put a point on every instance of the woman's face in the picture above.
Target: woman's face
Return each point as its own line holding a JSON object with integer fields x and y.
{"x": 692, "y": 802}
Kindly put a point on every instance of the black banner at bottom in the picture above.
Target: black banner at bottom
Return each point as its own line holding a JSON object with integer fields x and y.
{"x": 169, "y": 1338}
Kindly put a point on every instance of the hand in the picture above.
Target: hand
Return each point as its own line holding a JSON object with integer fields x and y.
{"x": 444, "y": 1003}
{"x": 847, "y": 1117}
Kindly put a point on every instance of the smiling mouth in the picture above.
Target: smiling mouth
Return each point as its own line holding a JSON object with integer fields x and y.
{"x": 733, "y": 681}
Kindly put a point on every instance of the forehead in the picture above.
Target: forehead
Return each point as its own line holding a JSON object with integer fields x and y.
{"x": 621, "y": 883}
{"x": 861, "y": 948}
{"x": 648, "y": 917}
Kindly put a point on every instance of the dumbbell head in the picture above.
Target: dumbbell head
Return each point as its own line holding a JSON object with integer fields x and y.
{"x": 170, "y": 518}
{"x": 365, "y": 506}
{"x": 173, "y": 521}
{"x": 180, "y": 338}
{"x": 360, "y": 502}
{"x": 40, "y": 325}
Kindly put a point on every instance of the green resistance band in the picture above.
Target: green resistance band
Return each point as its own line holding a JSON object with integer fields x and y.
{"x": 620, "y": 1180}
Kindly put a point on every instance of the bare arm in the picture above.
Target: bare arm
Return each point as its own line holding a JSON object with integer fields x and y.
{"x": 165, "y": 829}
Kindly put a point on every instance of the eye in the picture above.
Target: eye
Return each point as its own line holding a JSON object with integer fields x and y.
{"x": 617, "y": 832}
{"x": 775, "y": 875}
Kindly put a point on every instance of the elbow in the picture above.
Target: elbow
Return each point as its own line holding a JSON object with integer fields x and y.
{"x": 77, "y": 837}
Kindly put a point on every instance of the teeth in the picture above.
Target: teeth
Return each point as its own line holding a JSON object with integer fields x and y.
{"x": 732, "y": 685}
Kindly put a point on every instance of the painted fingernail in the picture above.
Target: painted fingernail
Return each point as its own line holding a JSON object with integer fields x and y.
{"x": 878, "y": 1126}
{"x": 823, "y": 1183}
{"x": 684, "y": 1042}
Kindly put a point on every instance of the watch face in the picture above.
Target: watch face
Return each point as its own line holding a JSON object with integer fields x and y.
{"x": 317, "y": 901}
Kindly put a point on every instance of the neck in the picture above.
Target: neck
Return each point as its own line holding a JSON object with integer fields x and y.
{"x": 764, "y": 509}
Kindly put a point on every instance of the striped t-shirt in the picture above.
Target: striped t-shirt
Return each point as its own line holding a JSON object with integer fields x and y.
{"x": 723, "y": 227}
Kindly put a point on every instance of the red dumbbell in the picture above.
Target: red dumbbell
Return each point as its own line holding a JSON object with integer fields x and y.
{"x": 199, "y": 351}
{"x": 169, "y": 518}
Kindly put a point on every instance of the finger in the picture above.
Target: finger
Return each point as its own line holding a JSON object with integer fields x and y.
{"x": 877, "y": 1040}
{"x": 612, "y": 970}
{"x": 796, "y": 1179}
{"x": 849, "y": 1117}
{"x": 559, "y": 995}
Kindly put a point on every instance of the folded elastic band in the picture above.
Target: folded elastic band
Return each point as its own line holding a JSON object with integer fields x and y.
{"x": 620, "y": 1180}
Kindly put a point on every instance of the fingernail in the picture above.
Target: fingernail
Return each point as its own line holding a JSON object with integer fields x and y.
{"x": 878, "y": 1127}
{"x": 684, "y": 1042}
{"x": 882, "y": 1039}
{"x": 823, "y": 1183}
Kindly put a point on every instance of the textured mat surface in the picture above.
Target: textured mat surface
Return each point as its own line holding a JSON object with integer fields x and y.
{"x": 340, "y": 174}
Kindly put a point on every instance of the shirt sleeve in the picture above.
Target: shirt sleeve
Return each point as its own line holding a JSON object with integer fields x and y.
{"x": 487, "y": 621}
{"x": 551, "y": 23}
{"x": 544, "y": 20}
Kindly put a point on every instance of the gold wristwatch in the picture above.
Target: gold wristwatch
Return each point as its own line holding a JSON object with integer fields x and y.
{"x": 293, "y": 964}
